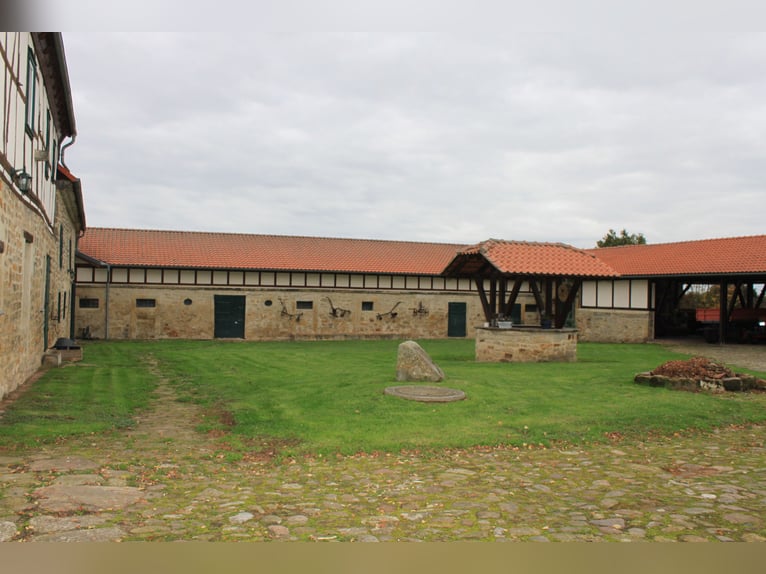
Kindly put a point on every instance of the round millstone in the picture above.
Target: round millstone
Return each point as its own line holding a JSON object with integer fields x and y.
{"x": 426, "y": 394}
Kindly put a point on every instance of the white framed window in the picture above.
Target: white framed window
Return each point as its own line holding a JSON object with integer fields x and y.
{"x": 29, "y": 122}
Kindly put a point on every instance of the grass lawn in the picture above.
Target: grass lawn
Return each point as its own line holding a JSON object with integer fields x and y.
{"x": 327, "y": 396}
{"x": 78, "y": 399}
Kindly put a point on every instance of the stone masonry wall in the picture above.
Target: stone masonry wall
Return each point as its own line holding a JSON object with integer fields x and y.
{"x": 62, "y": 264}
{"x": 615, "y": 326}
{"x": 26, "y": 240}
{"x": 189, "y": 313}
{"x": 526, "y": 345}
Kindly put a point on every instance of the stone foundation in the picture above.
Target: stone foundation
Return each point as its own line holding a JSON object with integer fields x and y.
{"x": 172, "y": 318}
{"x": 615, "y": 325}
{"x": 525, "y": 345}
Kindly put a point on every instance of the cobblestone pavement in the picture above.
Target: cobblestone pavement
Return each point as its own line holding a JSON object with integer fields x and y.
{"x": 163, "y": 481}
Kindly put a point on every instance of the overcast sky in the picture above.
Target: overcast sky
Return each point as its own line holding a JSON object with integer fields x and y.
{"x": 426, "y": 135}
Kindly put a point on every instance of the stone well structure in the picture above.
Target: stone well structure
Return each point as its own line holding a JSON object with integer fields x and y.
{"x": 526, "y": 345}
{"x": 552, "y": 272}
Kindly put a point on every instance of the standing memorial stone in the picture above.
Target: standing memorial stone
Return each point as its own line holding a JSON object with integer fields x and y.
{"x": 414, "y": 364}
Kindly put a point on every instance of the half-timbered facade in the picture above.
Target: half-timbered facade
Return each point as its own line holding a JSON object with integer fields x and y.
{"x": 645, "y": 301}
{"x": 162, "y": 284}
{"x": 41, "y": 210}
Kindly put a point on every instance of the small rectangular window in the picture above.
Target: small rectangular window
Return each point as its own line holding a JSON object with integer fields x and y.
{"x": 304, "y": 304}
{"x": 31, "y": 92}
{"x": 146, "y": 303}
{"x": 530, "y": 308}
{"x": 367, "y": 306}
{"x": 88, "y": 303}
{"x": 47, "y": 143}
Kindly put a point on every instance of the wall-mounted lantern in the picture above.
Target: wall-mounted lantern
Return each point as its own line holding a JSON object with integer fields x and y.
{"x": 23, "y": 180}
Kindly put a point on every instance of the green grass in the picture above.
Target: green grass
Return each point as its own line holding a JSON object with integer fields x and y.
{"x": 327, "y": 396}
{"x": 99, "y": 395}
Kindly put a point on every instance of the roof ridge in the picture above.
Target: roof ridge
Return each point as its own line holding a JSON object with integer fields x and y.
{"x": 685, "y": 242}
{"x": 276, "y": 235}
{"x": 536, "y": 242}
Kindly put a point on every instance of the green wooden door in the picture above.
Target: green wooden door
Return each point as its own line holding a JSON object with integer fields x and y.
{"x": 516, "y": 314}
{"x": 456, "y": 319}
{"x": 229, "y": 316}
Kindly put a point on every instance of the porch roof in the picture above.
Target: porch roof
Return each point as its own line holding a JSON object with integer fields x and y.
{"x": 495, "y": 257}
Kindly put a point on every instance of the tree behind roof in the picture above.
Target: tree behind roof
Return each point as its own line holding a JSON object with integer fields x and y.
{"x": 612, "y": 239}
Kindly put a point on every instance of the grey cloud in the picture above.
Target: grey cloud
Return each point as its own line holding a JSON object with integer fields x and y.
{"x": 433, "y": 137}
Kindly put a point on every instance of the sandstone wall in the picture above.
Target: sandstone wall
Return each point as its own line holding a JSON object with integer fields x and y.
{"x": 26, "y": 240}
{"x": 614, "y": 325}
{"x": 526, "y": 345}
{"x": 270, "y": 314}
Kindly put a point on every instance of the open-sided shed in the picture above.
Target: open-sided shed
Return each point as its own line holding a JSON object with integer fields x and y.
{"x": 736, "y": 264}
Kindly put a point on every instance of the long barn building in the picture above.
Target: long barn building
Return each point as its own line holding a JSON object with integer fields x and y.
{"x": 149, "y": 284}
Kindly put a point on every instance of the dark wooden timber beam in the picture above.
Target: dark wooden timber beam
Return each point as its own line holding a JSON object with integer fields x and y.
{"x": 548, "y": 297}
{"x": 734, "y": 296}
{"x": 493, "y": 298}
{"x": 501, "y": 294}
{"x": 723, "y": 316}
{"x": 559, "y": 316}
{"x": 684, "y": 290}
{"x": 537, "y": 295}
{"x": 568, "y": 303}
{"x": 513, "y": 296}
{"x": 760, "y": 297}
{"x": 738, "y": 294}
{"x": 483, "y": 297}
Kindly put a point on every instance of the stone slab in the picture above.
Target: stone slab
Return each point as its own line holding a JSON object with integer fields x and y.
{"x": 110, "y": 534}
{"x": 7, "y": 531}
{"x": 88, "y": 498}
{"x": 63, "y": 464}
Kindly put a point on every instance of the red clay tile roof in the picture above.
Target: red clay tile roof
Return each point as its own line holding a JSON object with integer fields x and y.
{"x": 187, "y": 249}
{"x": 727, "y": 256}
{"x": 529, "y": 258}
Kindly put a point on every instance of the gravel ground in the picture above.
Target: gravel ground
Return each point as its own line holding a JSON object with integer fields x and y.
{"x": 747, "y": 356}
{"x": 163, "y": 481}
